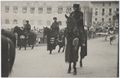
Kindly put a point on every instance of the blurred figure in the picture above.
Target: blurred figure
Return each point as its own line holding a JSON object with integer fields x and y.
{"x": 55, "y": 25}
{"x": 27, "y": 27}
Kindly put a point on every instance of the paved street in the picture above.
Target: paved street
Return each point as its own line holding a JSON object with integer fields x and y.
{"x": 101, "y": 61}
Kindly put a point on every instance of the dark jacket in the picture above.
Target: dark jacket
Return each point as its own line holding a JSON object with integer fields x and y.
{"x": 78, "y": 16}
{"x": 27, "y": 27}
{"x": 55, "y": 26}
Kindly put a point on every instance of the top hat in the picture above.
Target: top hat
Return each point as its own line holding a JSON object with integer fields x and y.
{"x": 76, "y": 5}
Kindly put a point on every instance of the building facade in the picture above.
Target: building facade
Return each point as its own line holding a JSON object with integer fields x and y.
{"x": 39, "y": 13}
{"x": 104, "y": 11}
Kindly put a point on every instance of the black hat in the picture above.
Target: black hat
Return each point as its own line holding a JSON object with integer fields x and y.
{"x": 76, "y": 6}
{"x": 27, "y": 21}
{"x": 54, "y": 17}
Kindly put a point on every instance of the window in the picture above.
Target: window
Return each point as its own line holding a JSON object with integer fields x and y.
{"x": 95, "y": 19}
{"x": 32, "y": 10}
{"x": 15, "y": 9}
{"x": 96, "y": 13}
{"x": 49, "y": 10}
{"x": 110, "y": 11}
{"x": 102, "y": 19}
{"x": 60, "y": 10}
{"x": 103, "y": 11}
{"x": 48, "y": 23}
{"x": 15, "y": 21}
{"x": 7, "y": 9}
{"x": 24, "y": 9}
{"x": 40, "y": 10}
{"x": 68, "y": 10}
{"x": 109, "y": 19}
{"x": 7, "y": 21}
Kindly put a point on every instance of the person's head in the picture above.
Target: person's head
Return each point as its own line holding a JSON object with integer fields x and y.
{"x": 76, "y": 7}
{"x": 55, "y": 18}
{"x": 27, "y": 21}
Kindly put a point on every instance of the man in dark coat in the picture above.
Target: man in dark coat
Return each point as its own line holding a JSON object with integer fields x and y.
{"x": 27, "y": 27}
{"x": 78, "y": 16}
{"x": 55, "y": 29}
{"x": 55, "y": 26}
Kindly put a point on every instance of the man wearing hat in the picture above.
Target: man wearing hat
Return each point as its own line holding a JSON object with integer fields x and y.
{"x": 55, "y": 25}
{"x": 78, "y": 16}
{"x": 27, "y": 26}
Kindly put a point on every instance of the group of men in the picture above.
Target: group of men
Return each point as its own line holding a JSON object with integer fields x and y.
{"x": 76, "y": 14}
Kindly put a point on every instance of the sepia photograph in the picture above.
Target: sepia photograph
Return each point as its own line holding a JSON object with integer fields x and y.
{"x": 60, "y": 39}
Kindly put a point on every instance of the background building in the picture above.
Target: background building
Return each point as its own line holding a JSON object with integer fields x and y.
{"x": 103, "y": 11}
{"x": 39, "y": 13}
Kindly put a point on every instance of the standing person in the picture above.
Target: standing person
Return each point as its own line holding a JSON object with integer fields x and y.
{"x": 27, "y": 26}
{"x": 78, "y": 16}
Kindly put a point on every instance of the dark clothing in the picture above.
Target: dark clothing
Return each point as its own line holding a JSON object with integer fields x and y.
{"x": 55, "y": 27}
{"x": 27, "y": 27}
{"x": 78, "y": 16}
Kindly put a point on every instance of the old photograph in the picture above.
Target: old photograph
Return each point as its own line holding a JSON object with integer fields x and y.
{"x": 60, "y": 39}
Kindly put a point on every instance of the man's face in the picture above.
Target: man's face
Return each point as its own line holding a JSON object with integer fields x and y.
{"x": 74, "y": 8}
